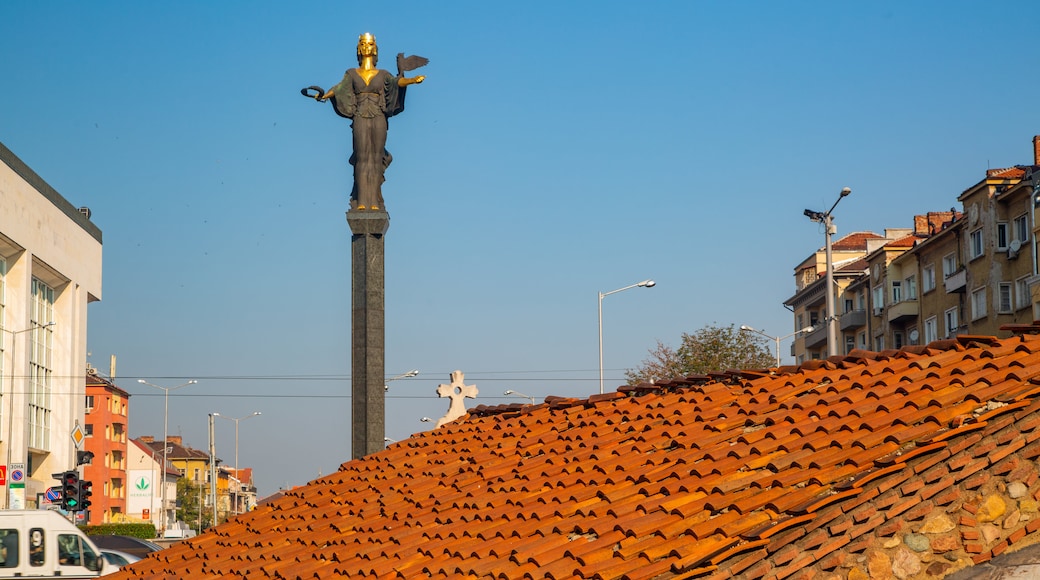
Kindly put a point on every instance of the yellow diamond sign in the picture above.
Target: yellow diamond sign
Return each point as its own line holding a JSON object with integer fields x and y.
{"x": 77, "y": 436}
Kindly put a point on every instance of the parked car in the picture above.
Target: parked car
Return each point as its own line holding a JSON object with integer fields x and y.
{"x": 117, "y": 558}
{"x": 128, "y": 544}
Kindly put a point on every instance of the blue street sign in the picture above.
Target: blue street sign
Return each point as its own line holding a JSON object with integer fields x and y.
{"x": 53, "y": 494}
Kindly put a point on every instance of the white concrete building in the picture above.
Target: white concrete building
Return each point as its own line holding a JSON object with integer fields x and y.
{"x": 145, "y": 477}
{"x": 50, "y": 269}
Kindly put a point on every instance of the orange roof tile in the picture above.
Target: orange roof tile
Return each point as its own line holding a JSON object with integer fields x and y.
{"x": 761, "y": 474}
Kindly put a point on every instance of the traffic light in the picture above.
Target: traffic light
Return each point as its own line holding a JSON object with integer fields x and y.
{"x": 69, "y": 491}
{"x": 84, "y": 495}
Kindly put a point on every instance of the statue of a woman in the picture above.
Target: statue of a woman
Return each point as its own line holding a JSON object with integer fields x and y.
{"x": 369, "y": 96}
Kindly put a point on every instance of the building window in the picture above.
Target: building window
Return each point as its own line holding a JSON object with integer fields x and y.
{"x": 41, "y": 365}
{"x": 978, "y": 303}
{"x": 1002, "y": 236}
{"x": 975, "y": 244}
{"x": 879, "y": 299}
{"x": 897, "y": 292}
{"x": 1022, "y": 297}
{"x": 1022, "y": 228}
{"x": 930, "y": 331}
{"x": 861, "y": 300}
{"x": 1004, "y": 297}
{"x": 949, "y": 265}
{"x": 90, "y": 403}
{"x": 952, "y": 325}
{"x": 88, "y": 430}
{"x": 862, "y": 339}
{"x": 928, "y": 278}
{"x": 897, "y": 338}
{"x": 911, "y": 288}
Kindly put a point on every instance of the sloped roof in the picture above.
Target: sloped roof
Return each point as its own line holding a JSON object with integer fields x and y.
{"x": 918, "y": 461}
{"x": 854, "y": 242}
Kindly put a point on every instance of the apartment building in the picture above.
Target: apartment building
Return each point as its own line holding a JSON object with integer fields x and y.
{"x": 107, "y": 413}
{"x": 50, "y": 270}
{"x": 969, "y": 271}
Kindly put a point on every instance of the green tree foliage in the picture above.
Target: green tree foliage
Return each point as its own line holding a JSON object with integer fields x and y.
{"x": 188, "y": 499}
{"x": 712, "y": 348}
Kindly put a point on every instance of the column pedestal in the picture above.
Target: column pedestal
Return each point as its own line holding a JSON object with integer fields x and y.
{"x": 367, "y": 345}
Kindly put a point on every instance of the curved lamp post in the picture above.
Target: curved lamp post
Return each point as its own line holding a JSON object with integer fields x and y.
{"x": 643, "y": 284}
{"x": 776, "y": 338}
{"x": 512, "y": 393}
{"x": 828, "y": 226}
{"x": 166, "y": 417}
{"x": 406, "y": 375}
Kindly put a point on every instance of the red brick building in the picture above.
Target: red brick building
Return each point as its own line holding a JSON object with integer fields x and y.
{"x": 105, "y": 425}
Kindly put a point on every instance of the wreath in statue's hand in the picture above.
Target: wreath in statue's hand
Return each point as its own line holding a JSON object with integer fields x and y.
{"x": 316, "y": 95}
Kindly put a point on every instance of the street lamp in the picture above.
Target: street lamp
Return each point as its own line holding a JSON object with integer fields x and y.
{"x": 236, "y": 420}
{"x": 643, "y": 284}
{"x": 10, "y": 407}
{"x": 166, "y": 417}
{"x": 406, "y": 375}
{"x": 513, "y": 393}
{"x": 828, "y": 225}
{"x": 776, "y": 338}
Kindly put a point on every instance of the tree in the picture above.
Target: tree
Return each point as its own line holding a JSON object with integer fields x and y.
{"x": 712, "y": 348}
{"x": 189, "y": 497}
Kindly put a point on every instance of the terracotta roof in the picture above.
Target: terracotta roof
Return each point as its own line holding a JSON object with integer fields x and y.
{"x": 854, "y": 242}
{"x": 1006, "y": 172}
{"x": 910, "y": 463}
{"x": 903, "y": 242}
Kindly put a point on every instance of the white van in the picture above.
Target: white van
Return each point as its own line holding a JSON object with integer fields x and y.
{"x": 43, "y": 544}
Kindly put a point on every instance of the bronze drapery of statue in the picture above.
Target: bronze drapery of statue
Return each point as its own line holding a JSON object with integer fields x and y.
{"x": 368, "y": 96}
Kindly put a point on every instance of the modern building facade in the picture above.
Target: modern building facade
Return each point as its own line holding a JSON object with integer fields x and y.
{"x": 50, "y": 270}
{"x": 105, "y": 426}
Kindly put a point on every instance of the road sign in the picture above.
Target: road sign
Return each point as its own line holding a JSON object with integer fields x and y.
{"x": 17, "y": 475}
{"x": 53, "y": 494}
{"x": 78, "y": 436}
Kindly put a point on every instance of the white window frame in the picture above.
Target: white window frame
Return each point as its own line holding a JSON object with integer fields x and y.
{"x": 928, "y": 278}
{"x": 897, "y": 292}
{"x": 1004, "y": 298}
{"x": 1002, "y": 236}
{"x": 1021, "y": 228}
{"x": 879, "y": 299}
{"x": 1022, "y": 295}
{"x": 41, "y": 365}
{"x": 952, "y": 322}
{"x": 931, "y": 331}
{"x": 949, "y": 265}
{"x": 978, "y": 303}
{"x": 976, "y": 246}
{"x": 911, "y": 287}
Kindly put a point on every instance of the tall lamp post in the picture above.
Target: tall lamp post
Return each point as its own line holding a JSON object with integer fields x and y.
{"x": 165, "y": 441}
{"x": 643, "y": 284}
{"x": 10, "y": 395}
{"x": 828, "y": 225}
{"x": 236, "y": 420}
{"x": 777, "y": 339}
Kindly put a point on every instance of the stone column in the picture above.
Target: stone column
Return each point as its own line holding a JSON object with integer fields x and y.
{"x": 367, "y": 345}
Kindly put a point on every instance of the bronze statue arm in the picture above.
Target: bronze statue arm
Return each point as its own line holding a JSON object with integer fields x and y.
{"x": 404, "y": 82}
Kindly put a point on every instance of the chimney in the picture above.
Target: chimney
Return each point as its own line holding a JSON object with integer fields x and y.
{"x": 175, "y": 439}
{"x": 1036, "y": 149}
{"x": 147, "y": 439}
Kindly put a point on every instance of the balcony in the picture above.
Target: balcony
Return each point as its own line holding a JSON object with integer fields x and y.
{"x": 816, "y": 337}
{"x": 905, "y": 310}
{"x": 957, "y": 282}
{"x": 853, "y": 319}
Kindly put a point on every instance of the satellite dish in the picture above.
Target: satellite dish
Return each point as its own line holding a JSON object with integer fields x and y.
{"x": 973, "y": 214}
{"x": 877, "y": 272}
{"x": 1013, "y": 248}
{"x": 914, "y": 335}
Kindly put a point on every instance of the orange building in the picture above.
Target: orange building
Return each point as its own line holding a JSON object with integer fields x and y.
{"x": 105, "y": 428}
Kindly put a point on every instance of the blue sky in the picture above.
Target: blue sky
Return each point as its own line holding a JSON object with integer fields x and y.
{"x": 556, "y": 150}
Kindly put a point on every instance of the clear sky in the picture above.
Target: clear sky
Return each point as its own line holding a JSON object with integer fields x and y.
{"x": 556, "y": 150}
